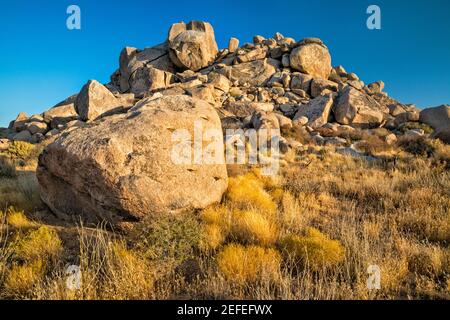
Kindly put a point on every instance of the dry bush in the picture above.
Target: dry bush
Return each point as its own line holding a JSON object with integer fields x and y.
{"x": 19, "y": 150}
{"x": 21, "y": 279}
{"x": 248, "y": 264}
{"x": 373, "y": 144}
{"x": 21, "y": 193}
{"x": 314, "y": 250}
{"x": 418, "y": 146}
{"x": 247, "y": 192}
{"x": 18, "y": 219}
{"x": 42, "y": 243}
{"x": 7, "y": 168}
{"x": 415, "y": 125}
{"x": 252, "y": 227}
{"x": 213, "y": 237}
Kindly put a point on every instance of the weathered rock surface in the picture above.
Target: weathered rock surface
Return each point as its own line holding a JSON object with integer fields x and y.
{"x": 358, "y": 109}
{"x": 255, "y": 73}
{"x": 62, "y": 113}
{"x": 192, "y": 46}
{"x": 313, "y": 59}
{"x": 317, "y": 111}
{"x": 95, "y": 100}
{"x": 124, "y": 169}
{"x": 437, "y": 118}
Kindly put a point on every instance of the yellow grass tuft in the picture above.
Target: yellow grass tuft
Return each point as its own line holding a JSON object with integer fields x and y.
{"x": 21, "y": 278}
{"x": 251, "y": 227}
{"x": 314, "y": 250}
{"x": 247, "y": 192}
{"x": 248, "y": 264}
{"x": 42, "y": 243}
{"x": 213, "y": 237}
{"x": 18, "y": 219}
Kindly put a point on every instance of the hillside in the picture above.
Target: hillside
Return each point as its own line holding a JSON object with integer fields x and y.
{"x": 252, "y": 172}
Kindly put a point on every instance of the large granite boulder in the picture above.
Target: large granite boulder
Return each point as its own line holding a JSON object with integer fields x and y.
{"x": 192, "y": 46}
{"x": 313, "y": 59}
{"x": 358, "y": 109}
{"x": 95, "y": 100}
{"x": 125, "y": 167}
{"x": 437, "y": 117}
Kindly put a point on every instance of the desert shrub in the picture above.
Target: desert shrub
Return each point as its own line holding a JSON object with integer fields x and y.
{"x": 251, "y": 227}
{"x": 18, "y": 219}
{"x": 42, "y": 243}
{"x": 7, "y": 168}
{"x": 21, "y": 193}
{"x": 111, "y": 269}
{"x": 216, "y": 214}
{"x": 19, "y": 150}
{"x": 130, "y": 276}
{"x": 299, "y": 134}
{"x": 426, "y": 261}
{"x": 247, "y": 192}
{"x": 212, "y": 238}
{"x": 314, "y": 250}
{"x": 248, "y": 264}
{"x": 21, "y": 279}
{"x": 419, "y": 146}
{"x": 415, "y": 125}
{"x": 373, "y": 144}
{"x": 171, "y": 239}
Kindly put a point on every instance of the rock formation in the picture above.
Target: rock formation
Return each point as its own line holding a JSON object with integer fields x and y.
{"x": 112, "y": 142}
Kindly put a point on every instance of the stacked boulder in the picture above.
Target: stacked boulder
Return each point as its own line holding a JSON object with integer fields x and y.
{"x": 117, "y": 133}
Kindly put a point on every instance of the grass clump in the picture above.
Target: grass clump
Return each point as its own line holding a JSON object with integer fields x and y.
{"x": 251, "y": 227}
{"x": 18, "y": 219}
{"x": 19, "y": 150}
{"x": 418, "y": 146}
{"x": 42, "y": 243}
{"x": 314, "y": 250}
{"x": 7, "y": 168}
{"x": 21, "y": 279}
{"x": 248, "y": 264}
{"x": 247, "y": 192}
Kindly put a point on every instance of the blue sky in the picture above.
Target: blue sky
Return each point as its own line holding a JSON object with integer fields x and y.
{"x": 42, "y": 62}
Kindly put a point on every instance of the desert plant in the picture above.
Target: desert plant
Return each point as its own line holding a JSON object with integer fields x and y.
{"x": 18, "y": 219}
{"x": 43, "y": 243}
{"x": 248, "y": 264}
{"x": 19, "y": 150}
{"x": 419, "y": 146}
{"x": 251, "y": 227}
{"x": 314, "y": 250}
{"x": 7, "y": 168}
{"x": 247, "y": 192}
{"x": 21, "y": 279}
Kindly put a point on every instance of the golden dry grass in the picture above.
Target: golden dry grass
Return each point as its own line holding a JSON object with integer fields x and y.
{"x": 310, "y": 233}
{"x": 248, "y": 264}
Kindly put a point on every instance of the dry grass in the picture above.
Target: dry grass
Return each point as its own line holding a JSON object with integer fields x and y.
{"x": 314, "y": 250}
{"x": 248, "y": 264}
{"x": 310, "y": 233}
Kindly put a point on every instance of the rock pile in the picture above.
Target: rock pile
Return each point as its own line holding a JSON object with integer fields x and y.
{"x": 116, "y": 135}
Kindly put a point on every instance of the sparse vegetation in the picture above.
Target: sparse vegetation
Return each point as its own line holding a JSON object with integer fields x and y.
{"x": 248, "y": 264}
{"x": 309, "y": 234}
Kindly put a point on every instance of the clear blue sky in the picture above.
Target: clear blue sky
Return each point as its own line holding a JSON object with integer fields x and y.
{"x": 41, "y": 62}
